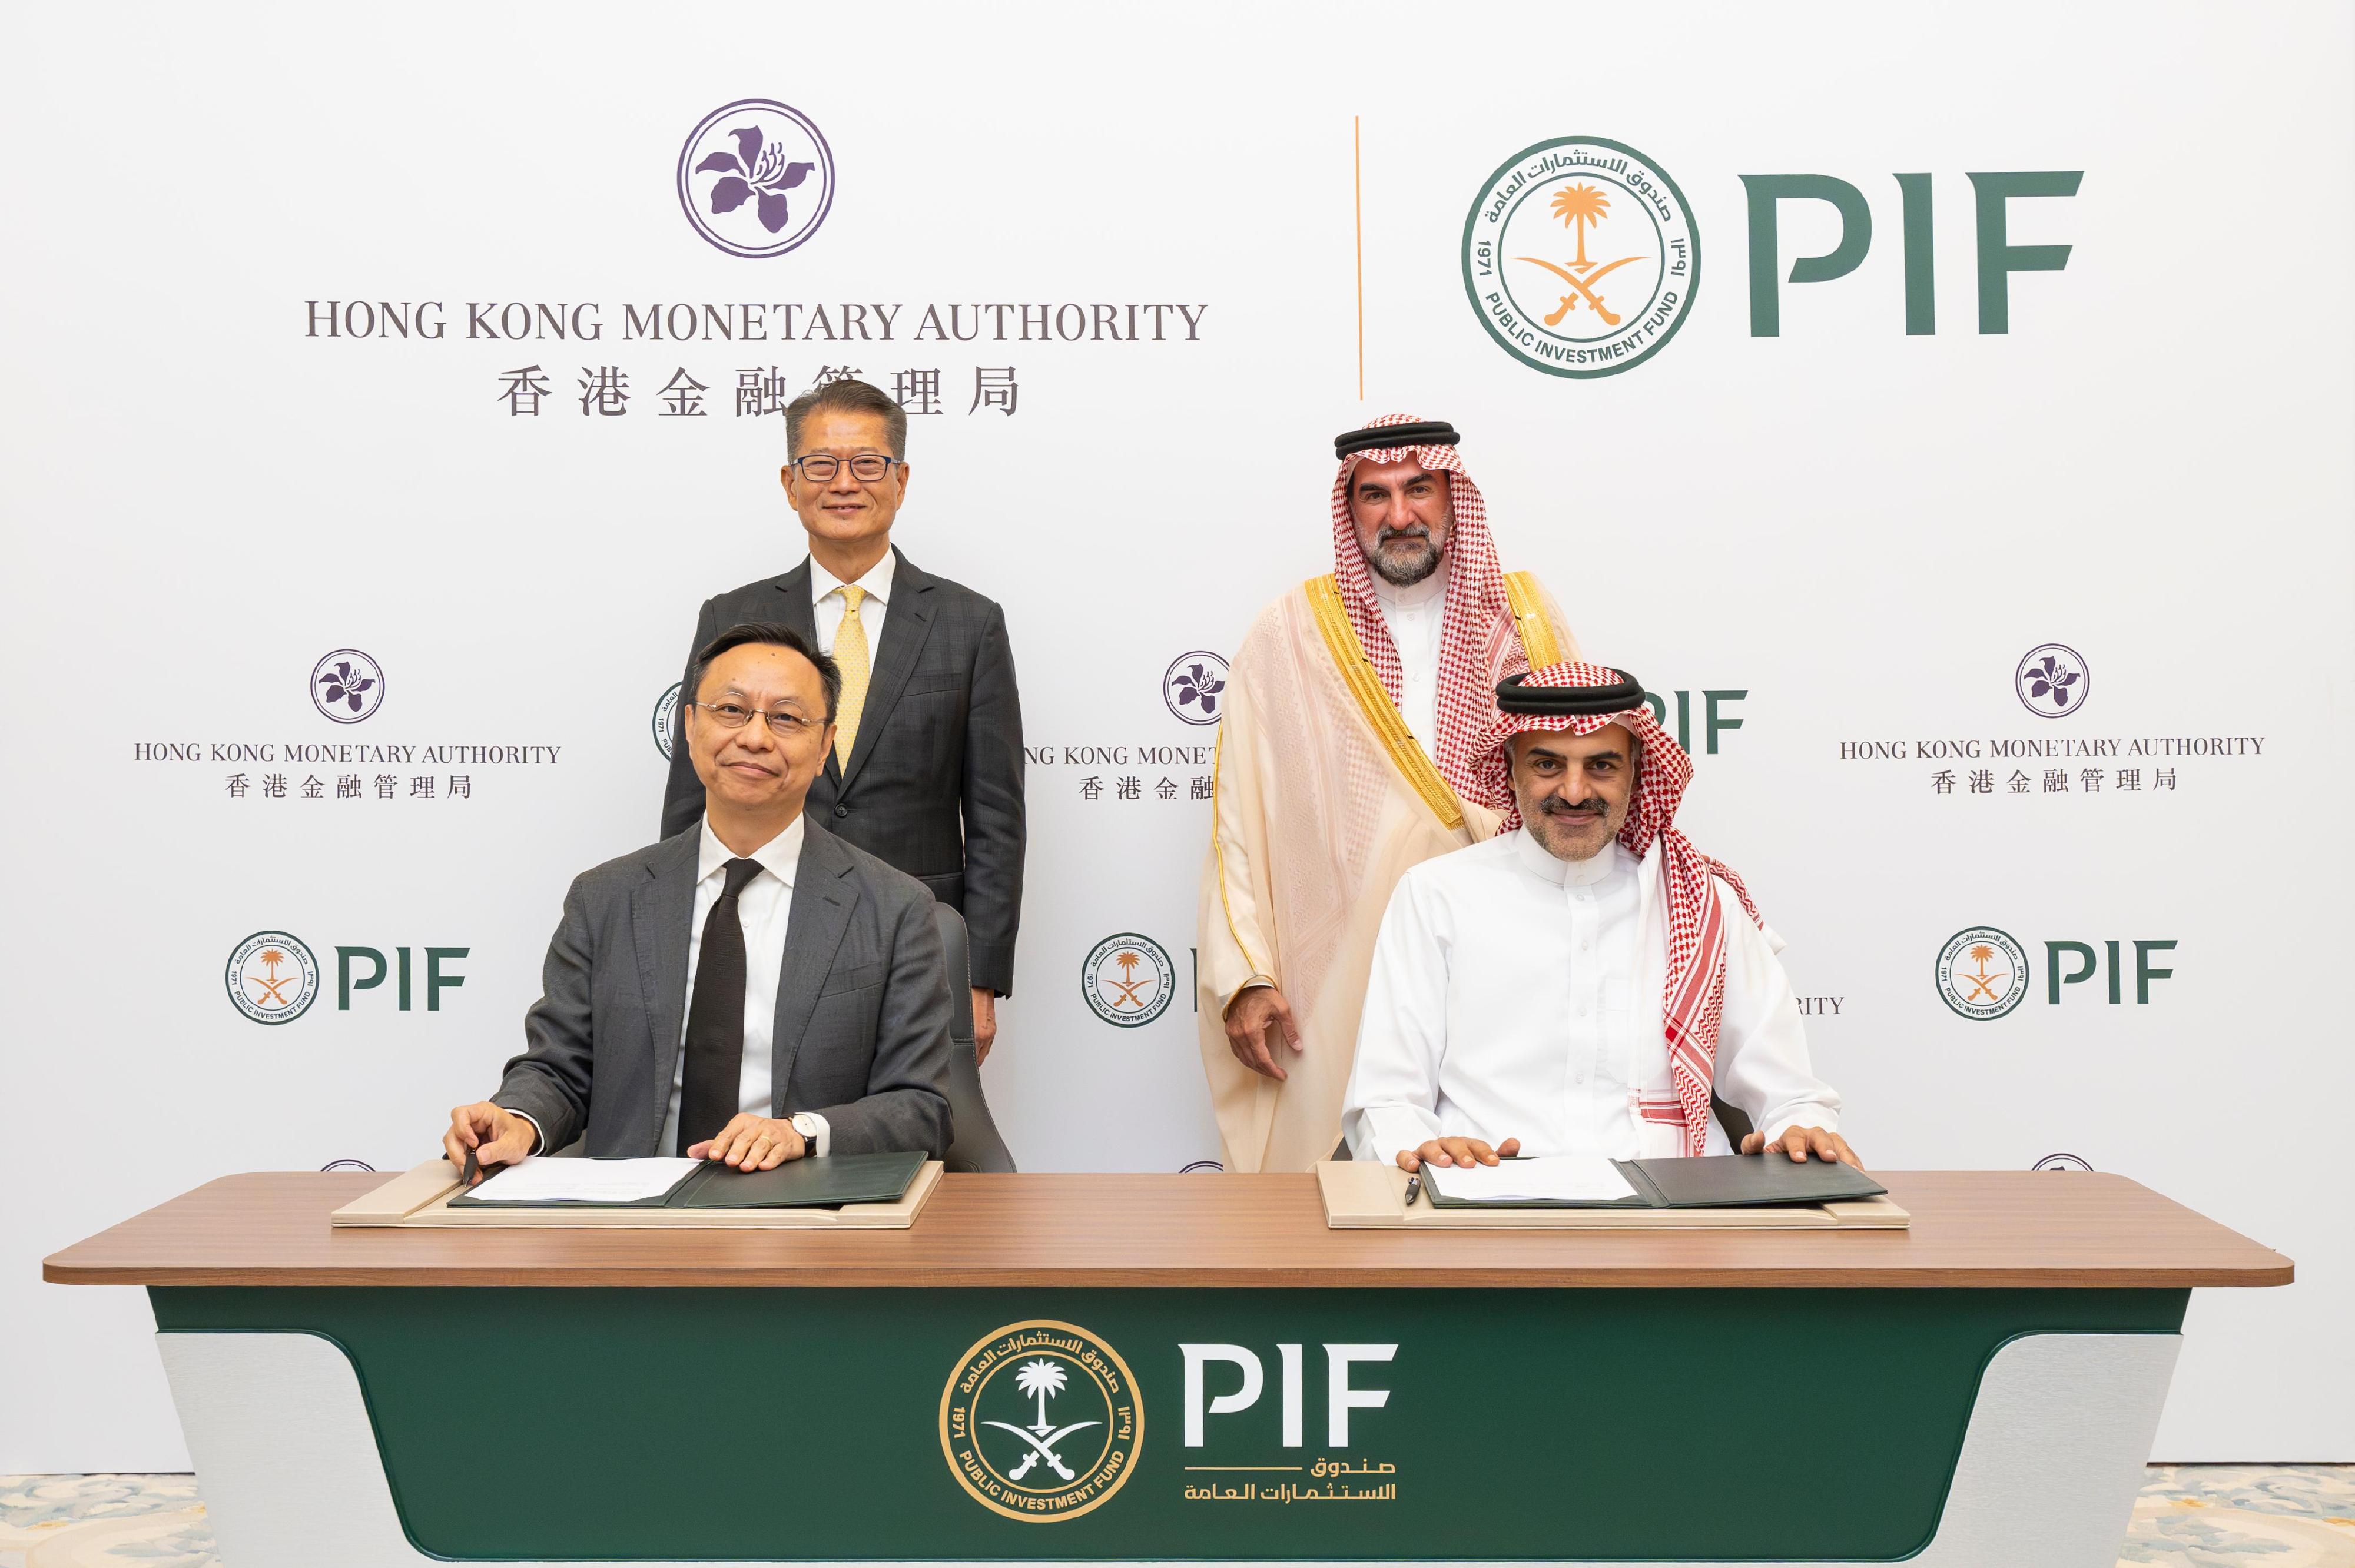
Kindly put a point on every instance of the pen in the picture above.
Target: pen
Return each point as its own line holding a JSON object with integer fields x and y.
{"x": 1414, "y": 1190}
{"x": 474, "y": 1168}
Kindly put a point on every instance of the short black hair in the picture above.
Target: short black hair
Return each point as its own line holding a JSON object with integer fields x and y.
{"x": 775, "y": 635}
{"x": 851, "y": 398}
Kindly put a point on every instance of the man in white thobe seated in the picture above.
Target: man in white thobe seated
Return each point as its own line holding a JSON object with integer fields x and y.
{"x": 1587, "y": 980}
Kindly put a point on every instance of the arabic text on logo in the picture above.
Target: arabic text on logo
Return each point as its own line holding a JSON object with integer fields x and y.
{"x": 1128, "y": 979}
{"x": 1982, "y": 972}
{"x": 1041, "y": 1421}
{"x": 1581, "y": 257}
{"x": 666, "y": 719}
{"x": 2052, "y": 679}
{"x": 273, "y": 977}
{"x": 756, "y": 178}
{"x": 346, "y": 686}
{"x": 1194, "y": 687}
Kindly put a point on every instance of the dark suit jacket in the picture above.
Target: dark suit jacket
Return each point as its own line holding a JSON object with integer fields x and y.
{"x": 934, "y": 785}
{"x": 862, "y": 1025}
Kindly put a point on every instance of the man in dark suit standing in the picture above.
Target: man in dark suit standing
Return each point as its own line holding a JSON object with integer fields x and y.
{"x": 750, "y": 989}
{"x": 926, "y": 768}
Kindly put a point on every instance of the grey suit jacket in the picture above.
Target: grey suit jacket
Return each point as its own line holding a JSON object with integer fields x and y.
{"x": 862, "y": 1025}
{"x": 934, "y": 785}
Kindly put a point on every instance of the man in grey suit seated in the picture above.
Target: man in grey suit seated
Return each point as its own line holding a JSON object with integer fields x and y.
{"x": 750, "y": 991}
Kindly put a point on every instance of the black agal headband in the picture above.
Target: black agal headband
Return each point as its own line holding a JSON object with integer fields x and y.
{"x": 1429, "y": 433}
{"x": 1569, "y": 702}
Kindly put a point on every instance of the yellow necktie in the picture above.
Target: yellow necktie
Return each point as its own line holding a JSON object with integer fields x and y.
{"x": 850, "y": 652}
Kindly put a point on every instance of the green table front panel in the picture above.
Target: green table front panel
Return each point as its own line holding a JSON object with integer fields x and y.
{"x": 585, "y": 1423}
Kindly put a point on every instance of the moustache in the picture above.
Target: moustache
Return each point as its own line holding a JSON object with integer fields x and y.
{"x": 1386, "y": 533}
{"x": 1555, "y": 807}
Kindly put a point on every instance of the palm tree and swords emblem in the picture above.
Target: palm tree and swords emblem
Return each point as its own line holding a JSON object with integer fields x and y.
{"x": 1578, "y": 206}
{"x": 1041, "y": 1380}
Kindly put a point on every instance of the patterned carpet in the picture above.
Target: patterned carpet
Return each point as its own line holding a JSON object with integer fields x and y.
{"x": 2189, "y": 1516}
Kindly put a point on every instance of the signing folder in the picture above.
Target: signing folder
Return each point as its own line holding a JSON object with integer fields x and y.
{"x": 828, "y": 1182}
{"x": 1711, "y": 1182}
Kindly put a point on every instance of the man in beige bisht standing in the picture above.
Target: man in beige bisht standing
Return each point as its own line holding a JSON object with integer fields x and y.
{"x": 1351, "y": 748}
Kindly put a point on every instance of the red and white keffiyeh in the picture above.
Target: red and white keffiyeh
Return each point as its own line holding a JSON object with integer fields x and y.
{"x": 1476, "y": 603}
{"x": 1695, "y": 1000}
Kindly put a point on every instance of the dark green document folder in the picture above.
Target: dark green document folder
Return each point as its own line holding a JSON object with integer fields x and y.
{"x": 828, "y": 1182}
{"x": 1711, "y": 1182}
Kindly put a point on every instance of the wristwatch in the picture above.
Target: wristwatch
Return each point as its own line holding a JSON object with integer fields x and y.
{"x": 806, "y": 1125}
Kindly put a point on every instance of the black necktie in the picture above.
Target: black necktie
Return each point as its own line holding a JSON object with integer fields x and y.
{"x": 709, "y": 1096}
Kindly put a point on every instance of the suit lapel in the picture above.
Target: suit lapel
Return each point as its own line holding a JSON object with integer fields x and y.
{"x": 906, "y": 624}
{"x": 662, "y": 908}
{"x": 822, "y": 898}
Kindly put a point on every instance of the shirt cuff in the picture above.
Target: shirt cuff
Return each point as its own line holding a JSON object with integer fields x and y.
{"x": 538, "y": 1137}
{"x": 1381, "y": 1133}
{"x": 814, "y": 1131}
{"x": 1253, "y": 983}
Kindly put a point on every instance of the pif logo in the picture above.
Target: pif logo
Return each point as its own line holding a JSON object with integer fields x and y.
{"x": 273, "y": 977}
{"x": 1983, "y": 973}
{"x": 1041, "y": 1421}
{"x": 666, "y": 719}
{"x": 1580, "y": 257}
{"x": 1128, "y": 979}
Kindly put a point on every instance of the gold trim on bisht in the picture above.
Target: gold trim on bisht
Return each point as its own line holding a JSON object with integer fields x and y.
{"x": 1529, "y": 621}
{"x": 1374, "y": 701}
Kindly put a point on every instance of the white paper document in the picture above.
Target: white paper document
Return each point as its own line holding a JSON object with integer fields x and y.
{"x": 543, "y": 1181}
{"x": 1554, "y": 1176}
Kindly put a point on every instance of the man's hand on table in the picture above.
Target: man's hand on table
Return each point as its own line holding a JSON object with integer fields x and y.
{"x": 1798, "y": 1142}
{"x": 1456, "y": 1151}
{"x": 497, "y": 1136}
{"x": 751, "y": 1142}
{"x": 1255, "y": 1013}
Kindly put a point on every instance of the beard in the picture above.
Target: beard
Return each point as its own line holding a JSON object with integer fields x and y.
{"x": 1408, "y": 568}
{"x": 1563, "y": 827}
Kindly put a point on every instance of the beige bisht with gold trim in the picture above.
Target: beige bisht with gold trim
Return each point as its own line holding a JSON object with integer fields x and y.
{"x": 1324, "y": 798}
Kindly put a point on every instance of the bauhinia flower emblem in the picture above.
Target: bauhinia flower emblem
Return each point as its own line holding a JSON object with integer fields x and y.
{"x": 2051, "y": 680}
{"x": 1196, "y": 686}
{"x": 753, "y": 170}
{"x": 346, "y": 686}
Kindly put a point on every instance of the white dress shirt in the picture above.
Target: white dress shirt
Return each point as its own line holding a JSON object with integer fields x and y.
{"x": 1516, "y": 994}
{"x": 1413, "y": 616}
{"x": 825, "y": 602}
{"x": 762, "y": 908}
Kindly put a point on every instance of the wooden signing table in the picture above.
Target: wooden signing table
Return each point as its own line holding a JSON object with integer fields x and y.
{"x": 1164, "y": 1368}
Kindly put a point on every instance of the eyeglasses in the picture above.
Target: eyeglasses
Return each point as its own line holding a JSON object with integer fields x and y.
{"x": 732, "y": 716}
{"x": 819, "y": 468}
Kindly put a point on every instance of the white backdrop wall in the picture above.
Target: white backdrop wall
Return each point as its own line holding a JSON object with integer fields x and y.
{"x": 1858, "y": 530}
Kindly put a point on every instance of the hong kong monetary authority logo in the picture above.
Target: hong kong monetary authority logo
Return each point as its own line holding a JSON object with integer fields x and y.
{"x": 756, "y": 178}
{"x": 1128, "y": 979}
{"x": 1580, "y": 257}
{"x": 2052, "y": 679}
{"x": 1041, "y": 1421}
{"x": 273, "y": 978}
{"x": 346, "y": 686}
{"x": 1193, "y": 686}
{"x": 1982, "y": 972}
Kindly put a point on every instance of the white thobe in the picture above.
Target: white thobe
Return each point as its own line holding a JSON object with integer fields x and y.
{"x": 1518, "y": 995}
{"x": 1413, "y": 616}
